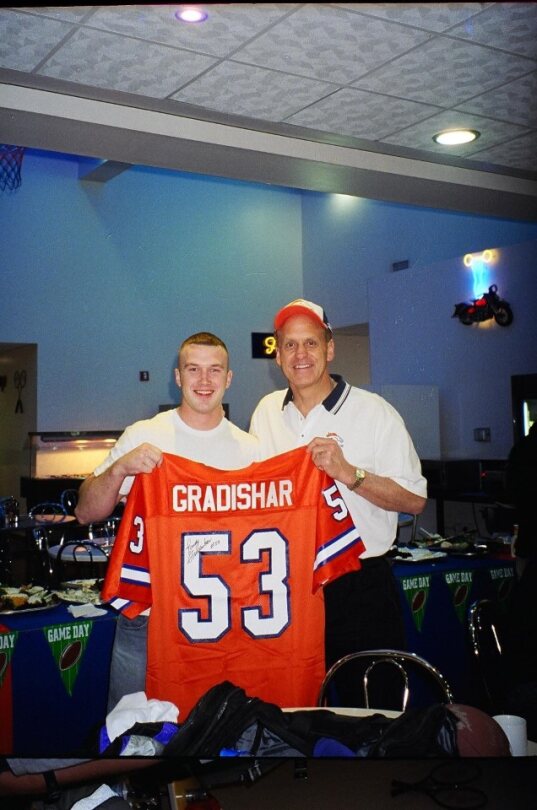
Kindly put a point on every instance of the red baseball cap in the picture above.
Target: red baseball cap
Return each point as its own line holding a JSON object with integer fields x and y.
{"x": 301, "y": 307}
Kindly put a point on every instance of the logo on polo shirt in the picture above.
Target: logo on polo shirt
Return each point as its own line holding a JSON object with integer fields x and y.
{"x": 335, "y": 437}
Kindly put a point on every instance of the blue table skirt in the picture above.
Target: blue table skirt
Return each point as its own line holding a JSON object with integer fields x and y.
{"x": 436, "y": 597}
{"x": 54, "y": 672}
{"x": 54, "y": 669}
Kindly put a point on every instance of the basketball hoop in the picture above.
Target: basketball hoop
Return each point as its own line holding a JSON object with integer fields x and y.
{"x": 10, "y": 166}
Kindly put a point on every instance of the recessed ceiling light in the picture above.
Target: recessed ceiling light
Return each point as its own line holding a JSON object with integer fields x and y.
{"x": 453, "y": 137}
{"x": 191, "y": 14}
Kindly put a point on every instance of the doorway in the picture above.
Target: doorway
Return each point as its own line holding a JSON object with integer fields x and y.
{"x": 352, "y": 354}
{"x": 18, "y": 414}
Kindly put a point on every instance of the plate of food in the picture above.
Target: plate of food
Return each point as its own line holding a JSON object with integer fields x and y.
{"x": 462, "y": 547}
{"x": 417, "y": 555}
{"x": 472, "y": 551}
{"x": 25, "y": 599}
{"x": 80, "y": 591}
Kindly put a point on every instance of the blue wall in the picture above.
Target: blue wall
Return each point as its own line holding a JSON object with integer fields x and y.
{"x": 349, "y": 247}
{"x": 348, "y": 240}
{"x": 108, "y": 279}
{"x": 414, "y": 340}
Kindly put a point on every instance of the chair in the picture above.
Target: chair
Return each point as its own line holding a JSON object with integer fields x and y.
{"x": 485, "y": 629}
{"x": 69, "y": 500}
{"x": 48, "y": 529}
{"x": 407, "y": 663}
{"x": 9, "y": 511}
{"x": 78, "y": 559}
{"x": 48, "y": 512}
{"x": 406, "y": 519}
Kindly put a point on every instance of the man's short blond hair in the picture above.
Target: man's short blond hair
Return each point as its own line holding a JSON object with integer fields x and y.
{"x": 202, "y": 339}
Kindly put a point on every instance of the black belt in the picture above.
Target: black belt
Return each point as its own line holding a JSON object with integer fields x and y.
{"x": 372, "y": 562}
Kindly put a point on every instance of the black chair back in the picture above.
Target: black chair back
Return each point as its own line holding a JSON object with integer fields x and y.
{"x": 408, "y": 664}
{"x": 485, "y": 626}
{"x": 69, "y": 500}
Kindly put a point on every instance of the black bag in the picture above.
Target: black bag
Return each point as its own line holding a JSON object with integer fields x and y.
{"x": 225, "y": 717}
{"x": 227, "y": 720}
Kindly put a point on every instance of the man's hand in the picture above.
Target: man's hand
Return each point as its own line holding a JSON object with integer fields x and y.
{"x": 327, "y": 455}
{"x": 143, "y": 459}
{"x": 99, "y": 495}
{"x": 383, "y": 492}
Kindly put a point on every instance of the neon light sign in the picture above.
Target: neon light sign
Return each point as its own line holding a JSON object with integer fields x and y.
{"x": 479, "y": 265}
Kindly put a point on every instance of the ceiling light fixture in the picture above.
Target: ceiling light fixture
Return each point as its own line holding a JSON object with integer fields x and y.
{"x": 453, "y": 137}
{"x": 191, "y": 14}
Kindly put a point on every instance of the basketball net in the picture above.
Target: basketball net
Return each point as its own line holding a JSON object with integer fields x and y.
{"x": 10, "y": 166}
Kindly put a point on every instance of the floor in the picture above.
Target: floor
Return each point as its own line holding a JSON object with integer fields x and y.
{"x": 364, "y": 785}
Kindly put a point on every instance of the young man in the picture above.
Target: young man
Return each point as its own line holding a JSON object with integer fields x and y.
{"x": 196, "y": 430}
{"x": 361, "y": 441}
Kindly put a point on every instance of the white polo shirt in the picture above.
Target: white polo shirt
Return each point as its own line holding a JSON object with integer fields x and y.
{"x": 371, "y": 434}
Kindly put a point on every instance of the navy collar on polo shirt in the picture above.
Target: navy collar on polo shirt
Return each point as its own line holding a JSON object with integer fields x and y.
{"x": 335, "y": 398}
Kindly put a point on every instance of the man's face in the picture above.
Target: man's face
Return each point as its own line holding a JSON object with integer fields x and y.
{"x": 303, "y": 352}
{"x": 203, "y": 377}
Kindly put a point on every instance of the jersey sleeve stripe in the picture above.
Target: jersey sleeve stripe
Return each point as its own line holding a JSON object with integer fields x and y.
{"x": 119, "y": 604}
{"x": 139, "y": 576}
{"x": 127, "y": 607}
{"x": 337, "y": 546}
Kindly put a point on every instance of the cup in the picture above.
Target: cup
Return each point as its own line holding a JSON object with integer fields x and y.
{"x": 515, "y": 730}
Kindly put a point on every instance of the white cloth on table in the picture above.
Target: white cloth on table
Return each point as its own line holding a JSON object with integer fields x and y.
{"x": 136, "y": 708}
{"x": 85, "y": 611}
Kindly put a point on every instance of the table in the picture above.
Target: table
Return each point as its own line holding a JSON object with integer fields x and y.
{"x": 49, "y": 704}
{"x": 435, "y": 598}
{"x": 54, "y": 673}
{"x": 351, "y": 711}
{"x": 24, "y": 556}
{"x": 475, "y": 481}
{"x": 441, "y": 497}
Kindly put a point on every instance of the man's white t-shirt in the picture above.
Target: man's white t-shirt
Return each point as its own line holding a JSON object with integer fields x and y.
{"x": 225, "y": 447}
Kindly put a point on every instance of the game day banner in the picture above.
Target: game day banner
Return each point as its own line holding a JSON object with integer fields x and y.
{"x": 68, "y": 644}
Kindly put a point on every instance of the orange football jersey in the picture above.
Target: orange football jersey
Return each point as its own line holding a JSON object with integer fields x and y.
{"x": 231, "y": 564}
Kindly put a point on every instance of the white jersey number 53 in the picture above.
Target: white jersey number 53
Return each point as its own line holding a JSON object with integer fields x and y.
{"x": 216, "y": 592}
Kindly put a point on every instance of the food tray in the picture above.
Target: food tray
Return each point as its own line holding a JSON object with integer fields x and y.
{"x": 80, "y": 592}
{"x": 418, "y": 555}
{"x": 54, "y": 602}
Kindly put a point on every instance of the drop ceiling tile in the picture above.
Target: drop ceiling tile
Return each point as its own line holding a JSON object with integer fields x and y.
{"x": 519, "y": 154}
{"x": 73, "y": 14}
{"x": 361, "y": 114}
{"x": 445, "y": 71}
{"x": 226, "y": 28}
{"x": 25, "y": 40}
{"x": 516, "y": 102}
{"x": 329, "y": 43}
{"x": 420, "y": 136}
{"x": 121, "y": 63}
{"x": 435, "y": 17}
{"x": 252, "y": 91}
{"x": 288, "y": 62}
{"x": 507, "y": 26}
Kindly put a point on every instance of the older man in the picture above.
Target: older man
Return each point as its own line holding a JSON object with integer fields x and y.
{"x": 361, "y": 441}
